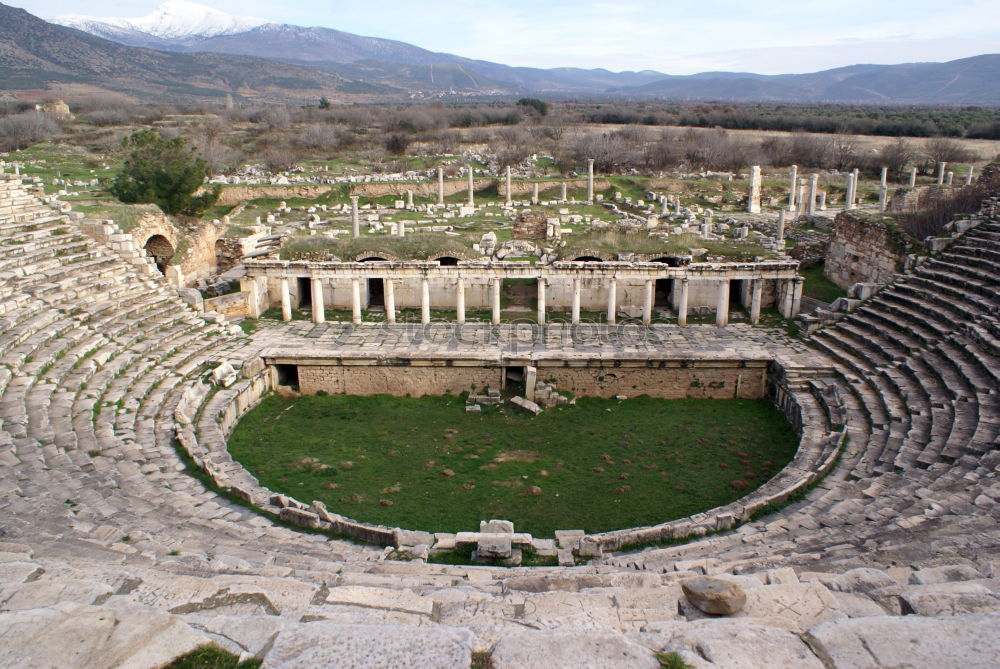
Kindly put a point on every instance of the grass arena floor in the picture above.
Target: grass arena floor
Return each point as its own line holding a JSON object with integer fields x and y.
{"x": 424, "y": 463}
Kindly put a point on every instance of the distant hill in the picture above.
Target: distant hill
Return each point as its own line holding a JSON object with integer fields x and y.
{"x": 34, "y": 53}
{"x": 184, "y": 50}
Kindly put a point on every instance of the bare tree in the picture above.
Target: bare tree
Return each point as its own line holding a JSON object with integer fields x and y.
{"x": 22, "y": 130}
{"x": 944, "y": 150}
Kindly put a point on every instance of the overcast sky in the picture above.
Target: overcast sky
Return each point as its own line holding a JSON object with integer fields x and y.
{"x": 766, "y": 36}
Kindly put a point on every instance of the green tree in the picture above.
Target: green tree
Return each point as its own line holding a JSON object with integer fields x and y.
{"x": 538, "y": 105}
{"x": 324, "y": 103}
{"x": 166, "y": 172}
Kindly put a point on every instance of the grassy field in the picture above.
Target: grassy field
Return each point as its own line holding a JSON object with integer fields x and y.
{"x": 427, "y": 464}
{"x": 818, "y": 286}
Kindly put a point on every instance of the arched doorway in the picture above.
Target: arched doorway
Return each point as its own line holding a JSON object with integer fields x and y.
{"x": 587, "y": 259}
{"x": 447, "y": 261}
{"x": 160, "y": 250}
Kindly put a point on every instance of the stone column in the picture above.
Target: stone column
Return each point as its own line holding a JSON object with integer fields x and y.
{"x": 355, "y": 222}
{"x": 534, "y": 193}
{"x": 590, "y": 180}
{"x": 647, "y": 302}
{"x": 441, "y": 186}
{"x": 401, "y": 228}
{"x": 883, "y": 178}
{"x": 564, "y": 196}
{"x": 425, "y": 301}
{"x": 787, "y": 297}
{"x": 682, "y": 304}
{"x": 940, "y": 175}
{"x": 575, "y": 305}
{"x": 822, "y": 200}
{"x": 253, "y": 298}
{"x": 913, "y": 177}
{"x": 797, "y": 296}
{"x": 613, "y": 302}
{"x": 755, "y": 299}
{"x": 507, "y": 199}
{"x": 495, "y": 301}
{"x": 722, "y": 306}
{"x": 883, "y": 195}
{"x": 968, "y": 176}
{"x": 849, "y": 195}
{"x": 541, "y": 301}
{"x": 318, "y": 305}
{"x": 460, "y": 300}
{"x": 949, "y": 177}
{"x": 793, "y": 181}
{"x": 800, "y": 202}
{"x": 472, "y": 188}
{"x": 390, "y": 301}
{"x": 753, "y": 203}
{"x": 780, "y": 237}
{"x": 813, "y": 183}
{"x": 409, "y": 199}
{"x": 677, "y": 205}
{"x": 286, "y": 300}
{"x": 356, "y": 301}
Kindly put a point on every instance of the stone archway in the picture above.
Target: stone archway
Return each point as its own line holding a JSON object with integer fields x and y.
{"x": 160, "y": 250}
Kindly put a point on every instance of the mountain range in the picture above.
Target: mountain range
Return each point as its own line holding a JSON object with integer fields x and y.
{"x": 188, "y": 51}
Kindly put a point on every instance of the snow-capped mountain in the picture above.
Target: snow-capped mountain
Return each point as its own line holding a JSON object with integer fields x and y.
{"x": 174, "y": 19}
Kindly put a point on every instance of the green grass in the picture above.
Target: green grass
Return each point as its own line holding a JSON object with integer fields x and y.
{"x": 125, "y": 215}
{"x": 676, "y": 458}
{"x": 211, "y": 657}
{"x": 818, "y": 286}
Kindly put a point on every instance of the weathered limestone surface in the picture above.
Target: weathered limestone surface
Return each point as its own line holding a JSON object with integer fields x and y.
{"x": 864, "y": 249}
{"x": 581, "y": 648}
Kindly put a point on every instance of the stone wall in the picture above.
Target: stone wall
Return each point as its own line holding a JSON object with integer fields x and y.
{"x": 865, "y": 249}
{"x": 412, "y": 380}
{"x": 194, "y": 249}
{"x": 665, "y": 379}
{"x": 915, "y": 199}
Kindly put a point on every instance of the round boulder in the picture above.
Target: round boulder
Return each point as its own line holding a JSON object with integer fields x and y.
{"x": 714, "y": 596}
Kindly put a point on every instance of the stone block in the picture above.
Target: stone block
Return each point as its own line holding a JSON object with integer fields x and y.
{"x": 578, "y": 648}
{"x": 494, "y": 546}
{"x": 495, "y": 526}
{"x": 714, "y": 596}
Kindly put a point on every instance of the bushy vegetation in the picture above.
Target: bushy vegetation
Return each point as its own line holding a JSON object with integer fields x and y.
{"x": 165, "y": 172}
{"x": 426, "y": 463}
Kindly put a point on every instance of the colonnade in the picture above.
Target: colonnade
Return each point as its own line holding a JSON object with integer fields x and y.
{"x": 790, "y": 298}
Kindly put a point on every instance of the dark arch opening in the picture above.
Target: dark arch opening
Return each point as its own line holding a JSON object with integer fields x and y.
{"x": 447, "y": 261}
{"x": 587, "y": 259}
{"x": 667, "y": 260}
{"x": 372, "y": 259}
{"x": 160, "y": 250}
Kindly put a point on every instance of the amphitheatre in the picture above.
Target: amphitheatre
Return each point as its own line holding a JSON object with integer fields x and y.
{"x": 131, "y": 346}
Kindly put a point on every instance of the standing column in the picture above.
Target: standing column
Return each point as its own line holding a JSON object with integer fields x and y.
{"x": 822, "y": 200}
{"x": 722, "y": 306}
{"x": 390, "y": 301}
{"x": 682, "y": 304}
{"x": 460, "y": 301}
{"x": 441, "y": 186}
{"x": 755, "y": 299}
{"x": 286, "y": 300}
{"x": 940, "y": 178}
{"x": 590, "y": 180}
{"x": 253, "y": 298}
{"x": 753, "y": 203}
{"x": 355, "y": 223}
{"x": 575, "y": 309}
{"x": 409, "y": 199}
{"x": 425, "y": 301}
{"x": 797, "y": 296}
{"x": 318, "y": 306}
{"x": 968, "y": 176}
{"x": 401, "y": 227}
{"x": 787, "y": 297}
{"x": 883, "y": 180}
{"x": 541, "y": 301}
{"x": 356, "y": 301}
{"x": 949, "y": 177}
{"x": 495, "y": 301}
{"x": 913, "y": 177}
{"x": 647, "y": 302}
{"x": 780, "y": 238}
{"x": 883, "y": 196}
{"x": 793, "y": 181}
{"x": 849, "y": 195}
{"x": 613, "y": 302}
{"x": 534, "y": 193}
{"x": 813, "y": 182}
{"x": 507, "y": 199}
{"x": 563, "y": 195}
{"x": 472, "y": 187}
